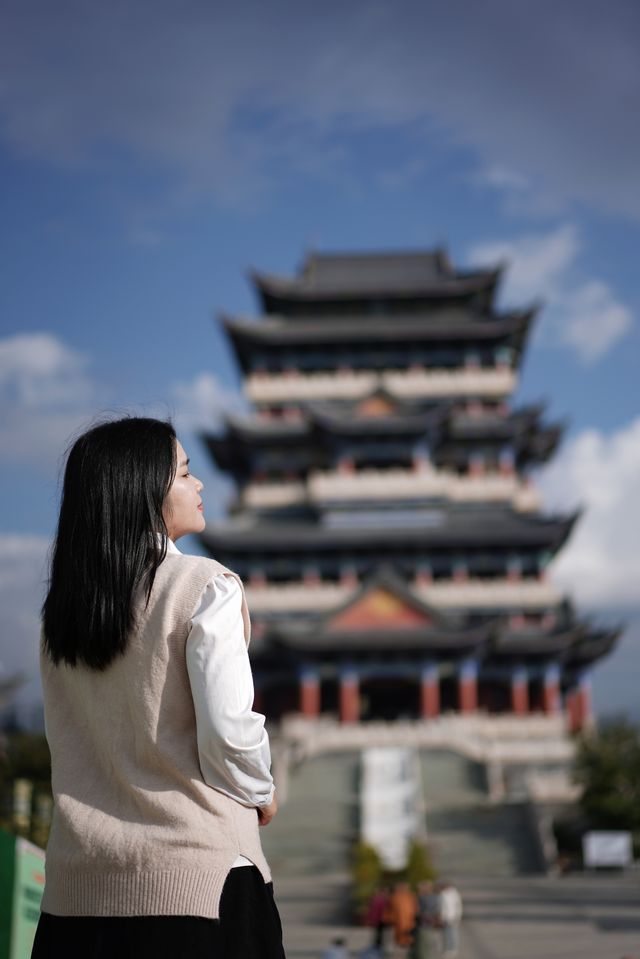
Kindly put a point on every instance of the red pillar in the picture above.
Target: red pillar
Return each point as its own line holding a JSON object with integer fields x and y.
{"x": 309, "y": 693}
{"x": 430, "y": 691}
{"x": 579, "y": 704}
{"x": 349, "y": 697}
{"x": 551, "y": 689}
{"x": 468, "y": 686}
{"x": 519, "y": 691}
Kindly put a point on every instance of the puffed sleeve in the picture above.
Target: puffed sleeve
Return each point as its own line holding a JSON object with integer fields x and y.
{"x": 233, "y": 745}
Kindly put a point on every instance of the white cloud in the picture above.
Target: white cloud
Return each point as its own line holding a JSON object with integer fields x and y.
{"x": 37, "y": 369}
{"x": 230, "y": 101}
{"x": 46, "y": 395}
{"x": 537, "y": 262}
{"x": 580, "y": 314}
{"x": 595, "y": 320}
{"x": 503, "y": 178}
{"x": 601, "y": 563}
{"x": 200, "y": 404}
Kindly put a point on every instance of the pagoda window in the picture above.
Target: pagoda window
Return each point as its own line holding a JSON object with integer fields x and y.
{"x": 348, "y": 575}
{"x": 345, "y": 464}
{"x": 424, "y": 574}
{"x": 544, "y": 559}
{"x": 472, "y": 360}
{"x": 503, "y": 357}
{"x": 420, "y": 457}
{"x": 514, "y": 568}
{"x": 474, "y": 408}
{"x": 311, "y": 575}
{"x": 549, "y": 620}
{"x": 460, "y": 571}
{"x": 257, "y": 577}
{"x": 477, "y": 464}
{"x": 507, "y": 461}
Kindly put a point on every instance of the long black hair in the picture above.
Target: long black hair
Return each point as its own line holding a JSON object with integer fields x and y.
{"x": 115, "y": 482}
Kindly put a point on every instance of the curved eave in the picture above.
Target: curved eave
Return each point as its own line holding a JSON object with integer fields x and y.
{"x": 593, "y": 646}
{"x": 284, "y": 289}
{"x": 326, "y": 423}
{"x": 283, "y": 538}
{"x": 542, "y": 444}
{"x": 523, "y": 421}
{"x": 277, "y": 331}
{"x": 251, "y": 430}
{"x": 535, "y": 643}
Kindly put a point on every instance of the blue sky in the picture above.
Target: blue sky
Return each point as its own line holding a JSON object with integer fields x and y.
{"x": 151, "y": 153}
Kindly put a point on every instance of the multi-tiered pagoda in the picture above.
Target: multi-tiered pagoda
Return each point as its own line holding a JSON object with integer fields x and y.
{"x": 393, "y": 548}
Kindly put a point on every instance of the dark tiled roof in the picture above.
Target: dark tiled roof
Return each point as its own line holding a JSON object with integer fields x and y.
{"x": 348, "y": 274}
{"x": 443, "y": 325}
{"x": 433, "y": 528}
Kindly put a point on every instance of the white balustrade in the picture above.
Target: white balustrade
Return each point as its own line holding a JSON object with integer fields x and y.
{"x": 469, "y": 594}
{"x": 295, "y": 385}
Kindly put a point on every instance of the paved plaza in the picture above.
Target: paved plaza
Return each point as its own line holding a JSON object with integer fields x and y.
{"x": 482, "y": 848}
{"x": 575, "y": 917}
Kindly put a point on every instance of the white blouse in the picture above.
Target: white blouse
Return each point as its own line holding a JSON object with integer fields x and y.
{"x": 233, "y": 745}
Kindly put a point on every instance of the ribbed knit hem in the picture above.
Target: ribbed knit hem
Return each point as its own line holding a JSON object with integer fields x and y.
{"x": 175, "y": 893}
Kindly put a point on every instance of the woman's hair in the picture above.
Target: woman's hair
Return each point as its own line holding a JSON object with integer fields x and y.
{"x": 116, "y": 479}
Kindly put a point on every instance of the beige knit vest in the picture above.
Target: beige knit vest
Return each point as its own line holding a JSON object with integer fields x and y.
{"x": 136, "y": 831}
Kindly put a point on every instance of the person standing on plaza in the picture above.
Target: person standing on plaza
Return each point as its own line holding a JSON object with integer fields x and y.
{"x": 376, "y": 917}
{"x": 426, "y": 940}
{"x": 450, "y": 916}
{"x": 402, "y": 912}
{"x": 160, "y": 767}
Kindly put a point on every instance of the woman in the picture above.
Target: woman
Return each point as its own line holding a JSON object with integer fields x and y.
{"x": 160, "y": 767}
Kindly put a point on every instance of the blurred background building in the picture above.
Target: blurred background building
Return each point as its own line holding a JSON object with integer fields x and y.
{"x": 393, "y": 547}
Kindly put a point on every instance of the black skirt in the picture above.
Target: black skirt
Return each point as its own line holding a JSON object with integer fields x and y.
{"x": 249, "y": 928}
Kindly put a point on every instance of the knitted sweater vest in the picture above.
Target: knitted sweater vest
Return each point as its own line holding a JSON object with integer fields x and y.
{"x": 136, "y": 831}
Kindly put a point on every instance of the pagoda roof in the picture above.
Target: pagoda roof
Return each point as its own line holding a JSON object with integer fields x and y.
{"x": 457, "y": 323}
{"x": 382, "y": 414}
{"x": 536, "y": 641}
{"x": 593, "y": 645}
{"x": 383, "y": 613}
{"x": 437, "y": 528}
{"x": 354, "y": 276}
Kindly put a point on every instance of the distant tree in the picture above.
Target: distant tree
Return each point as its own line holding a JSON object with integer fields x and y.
{"x": 28, "y": 757}
{"x": 25, "y": 756}
{"x": 367, "y": 875}
{"x": 419, "y": 866}
{"x": 608, "y": 769}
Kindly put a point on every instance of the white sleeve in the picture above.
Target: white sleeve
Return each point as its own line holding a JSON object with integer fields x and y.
{"x": 233, "y": 745}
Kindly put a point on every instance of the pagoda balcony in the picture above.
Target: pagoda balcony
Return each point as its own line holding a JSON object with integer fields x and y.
{"x": 274, "y": 495}
{"x": 382, "y": 485}
{"x": 293, "y": 386}
{"x": 294, "y": 597}
{"x": 501, "y": 594}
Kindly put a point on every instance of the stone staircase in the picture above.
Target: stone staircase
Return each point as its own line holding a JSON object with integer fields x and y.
{"x": 466, "y": 834}
{"x": 308, "y": 846}
{"x": 309, "y": 842}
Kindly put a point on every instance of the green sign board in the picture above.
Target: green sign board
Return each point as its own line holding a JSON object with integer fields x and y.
{"x": 21, "y": 885}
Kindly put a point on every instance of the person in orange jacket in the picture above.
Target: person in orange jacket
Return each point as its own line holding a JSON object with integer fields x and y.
{"x": 401, "y": 913}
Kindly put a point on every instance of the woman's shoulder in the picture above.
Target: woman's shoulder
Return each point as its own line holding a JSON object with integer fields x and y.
{"x": 189, "y": 565}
